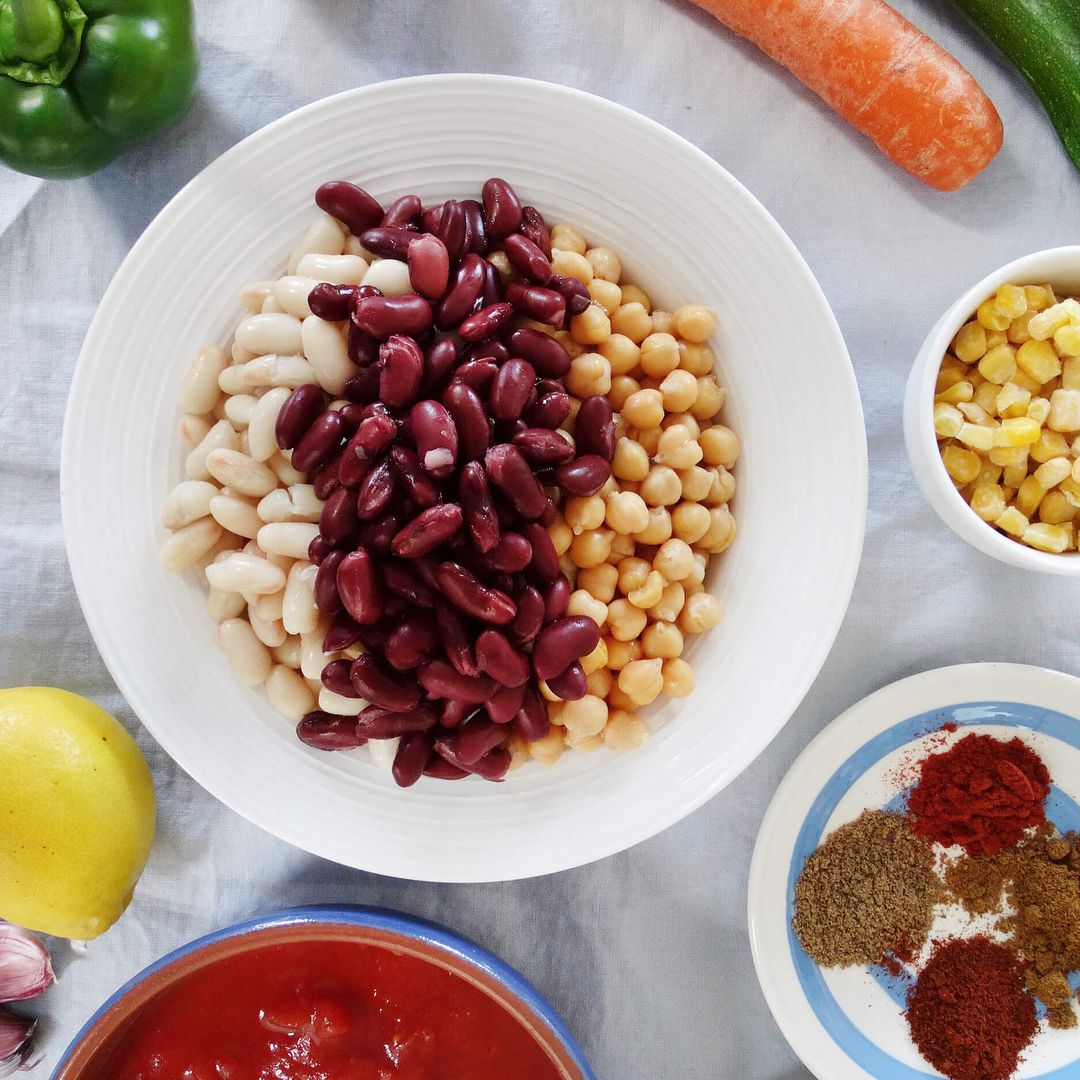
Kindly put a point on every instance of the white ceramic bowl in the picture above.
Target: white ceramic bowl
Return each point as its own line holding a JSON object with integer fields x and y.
{"x": 686, "y": 230}
{"x": 1061, "y": 268}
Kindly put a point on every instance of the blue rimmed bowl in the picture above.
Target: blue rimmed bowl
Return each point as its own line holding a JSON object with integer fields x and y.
{"x": 848, "y": 1024}
{"x": 358, "y": 925}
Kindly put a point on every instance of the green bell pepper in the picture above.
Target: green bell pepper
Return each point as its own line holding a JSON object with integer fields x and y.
{"x": 79, "y": 79}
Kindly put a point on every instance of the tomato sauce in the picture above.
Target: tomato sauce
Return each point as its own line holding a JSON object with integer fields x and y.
{"x": 325, "y": 1011}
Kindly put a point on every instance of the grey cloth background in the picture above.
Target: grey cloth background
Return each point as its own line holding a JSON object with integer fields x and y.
{"x": 645, "y": 953}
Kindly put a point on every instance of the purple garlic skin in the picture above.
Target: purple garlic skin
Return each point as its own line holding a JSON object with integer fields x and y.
{"x": 25, "y": 969}
{"x": 16, "y": 1034}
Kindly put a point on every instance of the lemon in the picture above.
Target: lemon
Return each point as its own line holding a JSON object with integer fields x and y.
{"x": 77, "y": 813}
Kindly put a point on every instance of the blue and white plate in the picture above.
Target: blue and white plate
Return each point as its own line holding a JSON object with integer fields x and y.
{"x": 848, "y": 1024}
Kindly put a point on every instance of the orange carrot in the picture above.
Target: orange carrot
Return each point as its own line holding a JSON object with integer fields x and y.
{"x": 881, "y": 74}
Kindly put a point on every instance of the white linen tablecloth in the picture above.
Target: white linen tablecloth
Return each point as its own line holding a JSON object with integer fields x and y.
{"x": 645, "y": 953}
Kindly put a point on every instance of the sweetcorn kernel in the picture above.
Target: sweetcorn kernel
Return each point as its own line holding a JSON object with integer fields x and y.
{"x": 988, "y": 501}
{"x": 1055, "y": 509}
{"x": 948, "y": 420}
{"x": 998, "y": 365}
{"x": 1006, "y": 456}
{"x": 1051, "y": 444}
{"x": 970, "y": 342}
{"x": 1038, "y": 409}
{"x": 1011, "y": 300}
{"x": 977, "y": 437}
{"x": 962, "y": 465}
{"x": 1064, "y": 411}
{"x": 1044, "y": 537}
{"x": 1038, "y": 360}
{"x": 961, "y": 391}
{"x": 1052, "y": 319}
{"x": 1021, "y": 431}
{"x": 1028, "y": 496}
{"x": 1018, "y": 331}
{"x": 1067, "y": 340}
{"x": 1013, "y": 476}
{"x": 1050, "y": 473}
{"x": 1039, "y": 297}
{"x": 989, "y": 316}
{"x": 1013, "y": 522}
{"x": 1012, "y": 400}
{"x": 986, "y": 398}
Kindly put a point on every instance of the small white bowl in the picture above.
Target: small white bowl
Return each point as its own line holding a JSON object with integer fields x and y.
{"x": 1061, "y": 268}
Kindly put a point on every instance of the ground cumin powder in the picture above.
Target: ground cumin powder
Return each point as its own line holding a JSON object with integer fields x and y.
{"x": 868, "y": 890}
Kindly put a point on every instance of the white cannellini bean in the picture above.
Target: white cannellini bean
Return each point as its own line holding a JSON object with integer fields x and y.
{"x": 187, "y": 502}
{"x": 221, "y": 605}
{"x": 248, "y": 658}
{"x": 222, "y": 436}
{"x": 295, "y": 503}
{"x": 192, "y": 430}
{"x": 262, "y": 423}
{"x": 312, "y": 657}
{"x": 288, "y": 653}
{"x": 269, "y": 631}
{"x": 281, "y": 561}
{"x": 383, "y": 752}
{"x": 236, "y": 514}
{"x": 325, "y": 236}
{"x": 290, "y": 538}
{"x": 281, "y": 463}
{"x": 199, "y": 391}
{"x": 219, "y": 411}
{"x": 291, "y": 293}
{"x": 269, "y": 607}
{"x": 232, "y": 381}
{"x": 274, "y": 332}
{"x": 354, "y": 247}
{"x": 240, "y": 355}
{"x": 288, "y": 693}
{"x": 337, "y": 269}
{"x": 389, "y": 276}
{"x": 242, "y": 572}
{"x": 241, "y": 472}
{"x": 270, "y": 306}
{"x": 238, "y": 409}
{"x": 254, "y": 293}
{"x": 338, "y": 704}
{"x": 327, "y": 351}
{"x": 299, "y": 614}
{"x": 272, "y": 370}
{"x": 189, "y": 544}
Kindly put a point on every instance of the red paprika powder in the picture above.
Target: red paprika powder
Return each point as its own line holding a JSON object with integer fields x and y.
{"x": 981, "y": 793}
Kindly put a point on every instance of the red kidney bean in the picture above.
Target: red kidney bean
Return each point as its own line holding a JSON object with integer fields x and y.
{"x": 342, "y": 633}
{"x": 455, "y": 713}
{"x": 440, "y": 769}
{"x": 378, "y": 535}
{"x": 363, "y": 352}
{"x": 583, "y": 476}
{"x": 402, "y": 581}
{"x": 457, "y": 639}
{"x": 425, "y": 568}
{"x": 338, "y": 522}
{"x": 542, "y": 446}
{"x": 436, "y": 437}
{"x": 536, "y": 302}
{"x": 475, "y": 231}
{"x": 426, "y": 531}
{"x": 412, "y": 642}
{"x": 359, "y": 587}
{"x": 375, "y": 492}
{"x": 542, "y": 351}
{"x": 384, "y": 688}
{"x": 527, "y": 259}
{"x": 350, "y": 204}
{"x": 492, "y": 292}
{"x": 472, "y": 596}
{"x": 431, "y": 217}
{"x": 326, "y": 591}
{"x": 499, "y": 659}
{"x": 325, "y": 480}
{"x": 412, "y": 755}
{"x": 470, "y": 420}
{"x": 352, "y": 415}
{"x": 402, "y": 369}
{"x": 549, "y": 515}
{"x": 549, "y": 411}
{"x": 488, "y": 350}
{"x": 352, "y": 468}
{"x": 535, "y": 228}
{"x": 477, "y": 507}
{"x": 562, "y": 642}
{"x": 473, "y": 740}
{"x": 375, "y": 433}
{"x": 429, "y": 266}
{"x": 403, "y": 213}
{"x": 577, "y": 294}
{"x": 511, "y": 388}
{"x": 486, "y": 323}
{"x": 513, "y": 476}
{"x": 317, "y": 550}
{"x": 511, "y": 554}
{"x": 335, "y": 677}
{"x": 384, "y": 316}
{"x": 441, "y": 680}
{"x": 571, "y": 684}
{"x": 532, "y": 721}
{"x": 377, "y": 722}
{"x": 373, "y": 638}
{"x": 504, "y": 704}
{"x": 543, "y": 566}
{"x": 451, "y": 229}
{"x": 300, "y": 410}
{"x": 320, "y": 442}
{"x": 529, "y": 617}
{"x": 440, "y": 359}
{"x": 389, "y": 243}
{"x": 493, "y": 766}
{"x": 502, "y": 208}
{"x": 594, "y": 428}
{"x": 556, "y": 598}
{"x": 417, "y": 485}
{"x": 479, "y": 374}
{"x": 324, "y": 731}
{"x": 332, "y": 302}
{"x": 466, "y": 284}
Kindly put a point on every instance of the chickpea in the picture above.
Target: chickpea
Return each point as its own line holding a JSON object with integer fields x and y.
{"x": 662, "y": 487}
{"x": 589, "y": 374}
{"x": 659, "y": 354}
{"x": 622, "y": 386}
{"x": 697, "y": 359}
{"x": 592, "y": 326}
{"x": 722, "y": 489}
{"x": 662, "y": 639}
{"x": 582, "y": 602}
{"x": 633, "y": 573}
{"x": 659, "y": 528}
{"x": 620, "y": 653}
{"x": 677, "y": 448}
{"x": 710, "y": 399}
{"x": 679, "y": 389}
{"x": 600, "y": 681}
{"x": 583, "y": 513}
{"x": 632, "y": 319}
{"x": 600, "y": 581}
{"x": 501, "y": 261}
{"x": 634, "y": 295}
{"x": 624, "y": 731}
{"x": 693, "y": 581}
{"x": 627, "y": 513}
{"x": 549, "y": 749}
{"x": 663, "y": 322}
{"x": 616, "y": 699}
{"x": 573, "y": 349}
{"x": 721, "y": 533}
{"x": 591, "y": 548}
{"x": 585, "y": 717}
{"x": 607, "y": 294}
{"x": 519, "y": 750}
{"x": 645, "y": 409}
{"x": 642, "y": 680}
{"x": 630, "y": 462}
{"x": 553, "y": 700}
{"x": 690, "y": 521}
{"x": 694, "y": 322}
{"x": 696, "y": 483}
{"x": 685, "y": 419}
{"x": 720, "y": 445}
{"x": 564, "y": 238}
{"x": 700, "y": 613}
{"x": 675, "y": 559}
{"x": 605, "y": 263}
{"x": 671, "y": 601}
{"x": 649, "y": 593}
{"x": 678, "y": 677}
{"x": 596, "y": 660}
{"x": 622, "y": 354}
{"x": 571, "y": 416}
{"x": 621, "y": 548}
{"x": 561, "y": 535}
{"x": 572, "y": 264}
{"x": 625, "y": 622}
{"x": 610, "y": 487}
{"x": 649, "y": 438}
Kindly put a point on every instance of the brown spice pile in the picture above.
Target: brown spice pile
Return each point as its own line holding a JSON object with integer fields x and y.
{"x": 868, "y": 889}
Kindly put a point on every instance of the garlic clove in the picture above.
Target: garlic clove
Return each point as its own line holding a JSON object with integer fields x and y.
{"x": 16, "y": 1033}
{"x": 25, "y": 969}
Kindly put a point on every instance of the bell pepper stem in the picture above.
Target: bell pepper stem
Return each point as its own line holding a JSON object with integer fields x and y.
{"x": 40, "y": 40}
{"x": 37, "y": 30}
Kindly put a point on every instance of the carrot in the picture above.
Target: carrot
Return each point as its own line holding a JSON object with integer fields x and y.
{"x": 884, "y": 76}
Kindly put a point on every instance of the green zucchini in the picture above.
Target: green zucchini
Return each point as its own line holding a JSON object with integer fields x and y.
{"x": 1042, "y": 39}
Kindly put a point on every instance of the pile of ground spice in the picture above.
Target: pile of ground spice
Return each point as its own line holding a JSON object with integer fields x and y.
{"x": 869, "y": 889}
{"x": 969, "y": 1013}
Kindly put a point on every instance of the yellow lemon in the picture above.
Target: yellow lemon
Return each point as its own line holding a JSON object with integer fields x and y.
{"x": 77, "y": 813}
